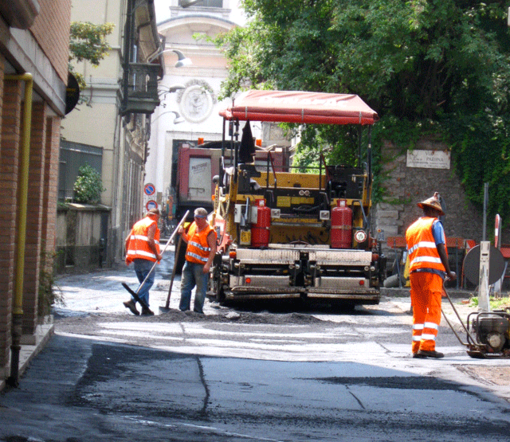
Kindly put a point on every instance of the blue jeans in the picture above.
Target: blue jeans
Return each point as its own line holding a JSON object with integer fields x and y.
{"x": 192, "y": 274}
{"x": 142, "y": 268}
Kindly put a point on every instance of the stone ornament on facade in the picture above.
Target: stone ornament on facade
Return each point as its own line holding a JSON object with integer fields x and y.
{"x": 196, "y": 101}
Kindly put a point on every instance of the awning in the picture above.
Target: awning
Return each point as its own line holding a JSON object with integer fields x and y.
{"x": 300, "y": 107}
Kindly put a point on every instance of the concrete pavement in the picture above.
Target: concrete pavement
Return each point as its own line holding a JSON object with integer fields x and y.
{"x": 101, "y": 291}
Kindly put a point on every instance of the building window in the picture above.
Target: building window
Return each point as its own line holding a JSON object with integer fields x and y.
{"x": 209, "y": 3}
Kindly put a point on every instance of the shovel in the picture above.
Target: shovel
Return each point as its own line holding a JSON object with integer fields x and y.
{"x": 166, "y": 308}
{"x": 135, "y": 294}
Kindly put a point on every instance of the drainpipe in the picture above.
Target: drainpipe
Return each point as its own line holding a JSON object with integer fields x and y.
{"x": 17, "y": 312}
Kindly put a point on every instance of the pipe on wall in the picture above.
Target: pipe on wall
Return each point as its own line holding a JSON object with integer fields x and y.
{"x": 17, "y": 312}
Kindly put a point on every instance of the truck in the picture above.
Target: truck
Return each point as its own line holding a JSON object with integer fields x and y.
{"x": 192, "y": 177}
{"x": 287, "y": 234}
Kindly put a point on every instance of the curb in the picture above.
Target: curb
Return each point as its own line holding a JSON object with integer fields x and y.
{"x": 42, "y": 335}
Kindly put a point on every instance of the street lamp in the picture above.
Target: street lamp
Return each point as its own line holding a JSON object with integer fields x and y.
{"x": 177, "y": 120}
{"x": 174, "y": 87}
{"x": 170, "y": 89}
{"x": 181, "y": 62}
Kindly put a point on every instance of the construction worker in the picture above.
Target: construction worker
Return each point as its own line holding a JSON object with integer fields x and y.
{"x": 201, "y": 239}
{"x": 428, "y": 257}
{"x": 142, "y": 249}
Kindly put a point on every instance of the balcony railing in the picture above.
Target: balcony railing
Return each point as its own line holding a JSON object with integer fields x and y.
{"x": 142, "y": 88}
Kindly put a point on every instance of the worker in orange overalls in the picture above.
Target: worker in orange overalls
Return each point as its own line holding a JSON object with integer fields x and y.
{"x": 142, "y": 248}
{"x": 200, "y": 252}
{"x": 428, "y": 257}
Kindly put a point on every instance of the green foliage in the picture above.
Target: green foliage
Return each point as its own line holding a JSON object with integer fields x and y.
{"x": 88, "y": 186}
{"x": 88, "y": 42}
{"x": 481, "y": 149}
{"x": 337, "y": 144}
{"x": 495, "y": 303}
{"x": 415, "y": 59}
{"x": 49, "y": 294}
{"x": 436, "y": 66}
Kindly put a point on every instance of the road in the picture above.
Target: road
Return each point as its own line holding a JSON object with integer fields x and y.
{"x": 237, "y": 375}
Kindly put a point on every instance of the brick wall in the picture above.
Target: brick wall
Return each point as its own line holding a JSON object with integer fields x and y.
{"x": 50, "y": 190}
{"x": 10, "y": 107}
{"x": 51, "y": 30}
{"x": 34, "y": 217}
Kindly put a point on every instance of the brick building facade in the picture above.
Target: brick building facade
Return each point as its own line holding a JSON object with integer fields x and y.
{"x": 34, "y": 52}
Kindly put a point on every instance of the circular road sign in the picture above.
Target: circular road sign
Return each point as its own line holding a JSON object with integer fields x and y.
{"x": 149, "y": 189}
{"x": 151, "y": 204}
{"x": 472, "y": 265}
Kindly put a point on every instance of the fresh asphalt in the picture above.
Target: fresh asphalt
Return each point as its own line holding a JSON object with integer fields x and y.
{"x": 115, "y": 384}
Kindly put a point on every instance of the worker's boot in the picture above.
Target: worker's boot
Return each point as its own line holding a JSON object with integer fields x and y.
{"x": 131, "y": 306}
{"x": 147, "y": 312}
{"x": 429, "y": 354}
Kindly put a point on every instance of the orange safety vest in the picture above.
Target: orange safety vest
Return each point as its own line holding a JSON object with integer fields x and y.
{"x": 138, "y": 246}
{"x": 421, "y": 246}
{"x": 198, "y": 249}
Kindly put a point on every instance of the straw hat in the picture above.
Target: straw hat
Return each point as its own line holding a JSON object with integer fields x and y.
{"x": 432, "y": 202}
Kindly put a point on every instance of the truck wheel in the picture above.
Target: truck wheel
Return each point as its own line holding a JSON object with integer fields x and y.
{"x": 217, "y": 288}
{"x": 220, "y": 294}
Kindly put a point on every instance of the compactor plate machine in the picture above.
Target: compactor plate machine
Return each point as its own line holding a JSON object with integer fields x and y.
{"x": 487, "y": 332}
{"x": 289, "y": 235}
{"x": 489, "y": 335}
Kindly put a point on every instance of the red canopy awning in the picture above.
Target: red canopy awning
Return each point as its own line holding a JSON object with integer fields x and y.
{"x": 300, "y": 107}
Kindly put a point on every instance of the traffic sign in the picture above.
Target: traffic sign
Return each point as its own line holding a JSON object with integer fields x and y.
{"x": 149, "y": 189}
{"x": 151, "y": 204}
{"x": 496, "y": 265}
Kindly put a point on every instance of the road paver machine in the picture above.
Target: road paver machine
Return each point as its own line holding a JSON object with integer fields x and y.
{"x": 287, "y": 234}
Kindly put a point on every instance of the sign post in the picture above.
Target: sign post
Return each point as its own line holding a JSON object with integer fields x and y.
{"x": 483, "y": 284}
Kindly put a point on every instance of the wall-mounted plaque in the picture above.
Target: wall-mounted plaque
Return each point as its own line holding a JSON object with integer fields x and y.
{"x": 428, "y": 159}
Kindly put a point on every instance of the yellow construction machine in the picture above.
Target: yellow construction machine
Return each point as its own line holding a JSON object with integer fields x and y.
{"x": 286, "y": 235}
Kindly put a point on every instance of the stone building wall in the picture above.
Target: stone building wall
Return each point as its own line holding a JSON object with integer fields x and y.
{"x": 406, "y": 186}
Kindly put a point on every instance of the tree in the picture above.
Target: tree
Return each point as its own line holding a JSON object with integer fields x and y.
{"x": 440, "y": 66}
{"x": 88, "y": 42}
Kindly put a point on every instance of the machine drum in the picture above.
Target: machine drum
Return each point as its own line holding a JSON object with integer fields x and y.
{"x": 492, "y": 330}
{"x": 496, "y": 341}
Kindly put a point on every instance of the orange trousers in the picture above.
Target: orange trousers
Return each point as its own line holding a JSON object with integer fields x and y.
{"x": 426, "y": 292}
